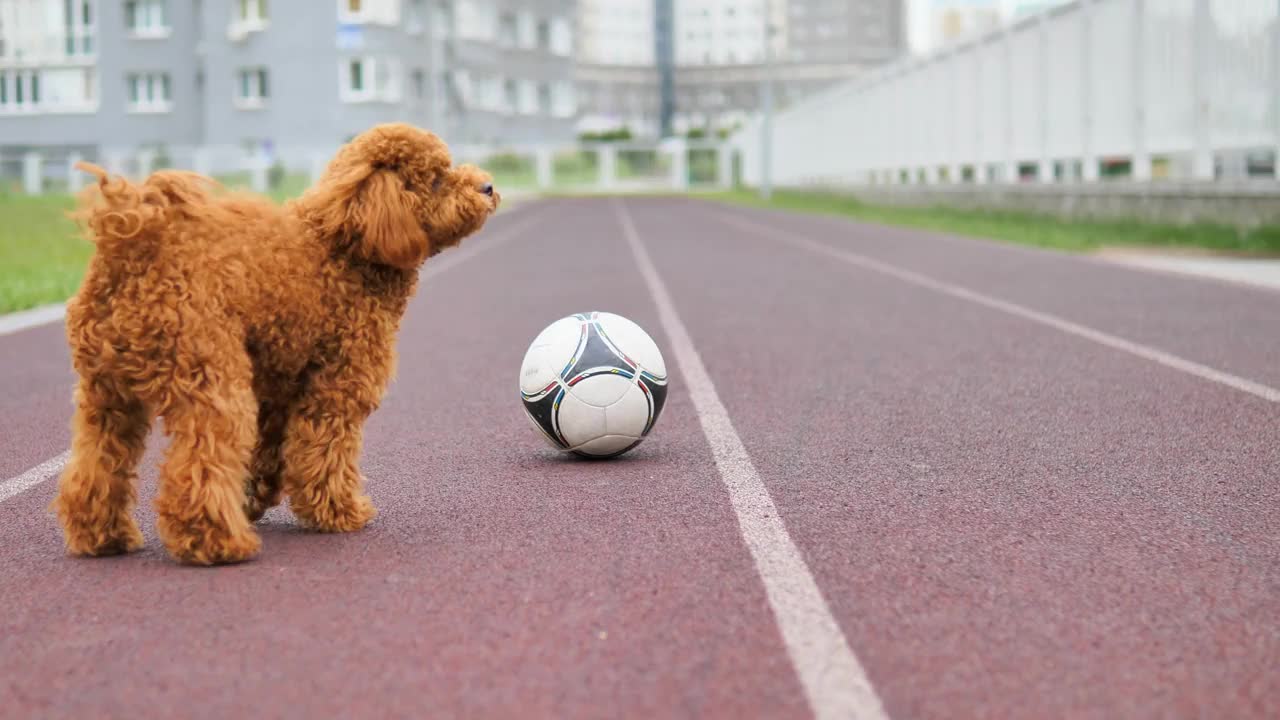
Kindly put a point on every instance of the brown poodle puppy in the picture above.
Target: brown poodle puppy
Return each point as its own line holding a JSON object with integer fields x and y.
{"x": 262, "y": 335}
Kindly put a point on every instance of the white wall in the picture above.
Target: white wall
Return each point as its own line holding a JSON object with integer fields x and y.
{"x": 1182, "y": 79}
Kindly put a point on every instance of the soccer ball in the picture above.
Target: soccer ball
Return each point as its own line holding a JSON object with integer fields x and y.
{"x": 593, "y": 384}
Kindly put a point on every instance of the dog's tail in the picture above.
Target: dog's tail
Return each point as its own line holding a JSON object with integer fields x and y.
{"x": 119, "y": 213}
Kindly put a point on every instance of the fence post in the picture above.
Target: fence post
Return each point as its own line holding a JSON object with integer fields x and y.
{"x": 979, "y": 157}
{"x": 146, "y": 161}
{"x": 1138, "y": 55}
{"x": 1010, "y": 152}
{"x": 201, "y": 162}
{"x": 724, "y": 165}
{"x": 1089, "y": 170}
{"x": 75, "y": 180}
{"x": 607, "y": 156}
{"x": 1201, "y": 61}
{"x": 1045, "y": 174}
{"x": 1275, "y": 88}
{"x": 544, "y": 164}
{"x": 32, "y": 173}
{"x": 258, "y": 172}
{"x": 679, "y": 164}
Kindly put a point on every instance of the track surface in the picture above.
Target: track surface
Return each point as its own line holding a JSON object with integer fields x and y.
{"x": 1005, "y": 520}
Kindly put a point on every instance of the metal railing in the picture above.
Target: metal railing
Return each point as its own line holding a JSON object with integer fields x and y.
{"x": 678, "y": 166}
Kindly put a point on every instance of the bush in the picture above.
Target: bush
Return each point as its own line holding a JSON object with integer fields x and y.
{"x": 507, "y": 163}
{"x": 275, "y": 175}
{"x": 622, "y": 134}
{"x": 162, "y": 161}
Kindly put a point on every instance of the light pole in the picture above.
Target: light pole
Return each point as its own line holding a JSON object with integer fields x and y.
{"x": 766, "y": 107}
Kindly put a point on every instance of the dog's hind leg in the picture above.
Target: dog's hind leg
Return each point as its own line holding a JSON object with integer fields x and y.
{"x": 97, "y": 489}
{"x": 263, "y": 490}
{"x": 212, "y": 423}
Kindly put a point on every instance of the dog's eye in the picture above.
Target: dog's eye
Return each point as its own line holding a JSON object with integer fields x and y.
{"x": 435, "y": 184}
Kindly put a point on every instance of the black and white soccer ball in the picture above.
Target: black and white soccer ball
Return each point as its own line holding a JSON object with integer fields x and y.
{"x": 593, "y": 384}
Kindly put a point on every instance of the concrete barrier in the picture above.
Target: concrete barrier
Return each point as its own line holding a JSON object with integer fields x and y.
{"x": 1245, "y": 204}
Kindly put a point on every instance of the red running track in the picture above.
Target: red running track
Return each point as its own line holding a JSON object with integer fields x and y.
{"x": 1005, "y": 520}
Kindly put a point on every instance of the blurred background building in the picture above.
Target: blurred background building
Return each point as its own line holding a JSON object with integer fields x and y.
{"x": 284, "y": 76}
{"x": 953, "y": 20}
{"x": 718, "y": 56}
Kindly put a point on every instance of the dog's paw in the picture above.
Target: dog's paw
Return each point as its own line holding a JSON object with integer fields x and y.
{"x": 202, "y": 544}
{"x": 255, "y": 507}
{"x": 333, "y": 517}
{"x": 117, "y": 536}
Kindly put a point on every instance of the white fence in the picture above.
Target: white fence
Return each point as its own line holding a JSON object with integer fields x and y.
{"x": 677, "y": 165}
{"x": 1142, "y": 89}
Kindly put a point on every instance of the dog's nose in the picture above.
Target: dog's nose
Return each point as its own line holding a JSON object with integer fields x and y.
{"x": 487, "y": 188}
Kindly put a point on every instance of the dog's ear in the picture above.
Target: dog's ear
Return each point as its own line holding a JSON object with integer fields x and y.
{"x": 386, "y": 221}
{"x": 371, "y": 211}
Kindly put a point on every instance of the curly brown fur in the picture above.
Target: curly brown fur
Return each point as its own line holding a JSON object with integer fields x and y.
{"x": 263, "y": 336}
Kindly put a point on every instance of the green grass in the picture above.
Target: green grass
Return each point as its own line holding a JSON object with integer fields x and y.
{"x": 1025, "y": 228}
{"x": 43, "y": 255}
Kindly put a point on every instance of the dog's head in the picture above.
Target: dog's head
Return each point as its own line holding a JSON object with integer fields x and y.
{"x": 393, "y": 196}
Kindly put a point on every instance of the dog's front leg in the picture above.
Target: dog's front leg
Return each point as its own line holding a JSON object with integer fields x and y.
{"x": 323, "y": 439}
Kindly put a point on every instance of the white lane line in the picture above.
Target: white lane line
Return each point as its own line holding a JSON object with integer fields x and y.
{"x": 34, "y": 476}
{"x": 1137, "y": 349}
{"x": 51, "y": 467}
{"x": 834, "y": 682}
{"x": 15, "y": 322}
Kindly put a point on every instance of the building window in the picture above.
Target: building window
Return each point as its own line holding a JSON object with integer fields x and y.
{"x": 544, "y": 35}
{"x": 77, "y": 27}
{"x": 20, "y": 91}
{"x": 544, "y": 99}
{"x": 564, "y": 104}
{"x": 59, "y": 89}
{"x": 251, "y": 88}
{"x": 419, "y": 84}
{"x": 248, "y": 16}
{"x": 369, "y": 79}
{"x": 526, "y": 30}
{"x": 528, "y": 98}
{"x": 510, "y": 96}
{"x": 251, "y": 11}
{"x": 417, "y": 17}
{"x": 146, "y": 18}
{"x": 149, "y": 92}
{"x": 385, "y": 12}
{"x": 507, "y": 30}
{"x": 561, "y": 37}
{"x": 444, "y": 18}
{"x": 488, "y": 93}
{"x": 477, "y": 20}
{"x": 356, "y": 84}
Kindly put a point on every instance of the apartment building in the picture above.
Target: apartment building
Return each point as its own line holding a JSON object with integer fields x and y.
{"x": 81, "y": 74}
{"x": 719, "y": 55}
{"x": 291, "y": 77}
